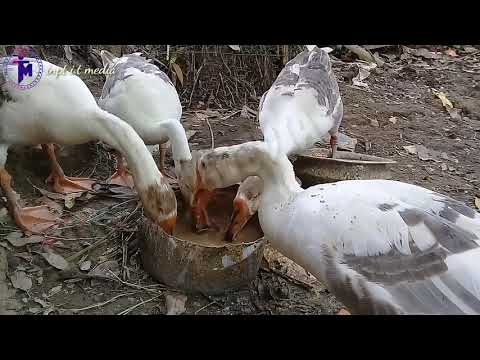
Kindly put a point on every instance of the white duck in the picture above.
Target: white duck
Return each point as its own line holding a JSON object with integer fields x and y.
{"x": 381, "y": 246}
{"x": 141, "y": 94}
{"x": 302, "y": 106}
{"x": 61, "y": 109}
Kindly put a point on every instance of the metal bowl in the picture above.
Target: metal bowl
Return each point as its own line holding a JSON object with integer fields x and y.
{"x": 315, "y": 167}
{"x": 203, "y": 262}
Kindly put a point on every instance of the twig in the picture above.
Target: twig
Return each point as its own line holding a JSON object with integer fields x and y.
{"x": 288, "y": 278}
{"x": 126, "y": 311}
{"x": 204, "y": 307}
{"x": 102, "y": 303}
{"x": 212, "y": 138}
{"x": 135, "y": 285}
{"x": 197, "y": 75}
{"x": 89, "y": 248}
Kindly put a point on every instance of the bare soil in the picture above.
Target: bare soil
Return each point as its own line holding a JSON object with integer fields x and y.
{"x": 397, "y": 109}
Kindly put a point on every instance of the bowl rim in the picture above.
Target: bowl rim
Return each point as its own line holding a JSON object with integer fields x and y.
{"x": 376, "y": 160}
{"x": 226, "y": 245}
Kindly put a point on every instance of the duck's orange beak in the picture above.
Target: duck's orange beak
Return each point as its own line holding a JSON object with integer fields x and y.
{"x": 168, "y": 225}
{"x": 240, "y": 217}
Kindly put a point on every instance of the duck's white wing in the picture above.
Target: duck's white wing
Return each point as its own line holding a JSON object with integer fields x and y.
{"x": 141, "y": 94}
{"x": 303, "y": 104}
{"x": 122, "y": 70}
{"x": 390, "y": 247}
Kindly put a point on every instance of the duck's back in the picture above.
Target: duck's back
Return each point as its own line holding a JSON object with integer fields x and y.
{"x": 303, "y": 104}
{"x": 140, "y": 93}
{"x": 387, "y": 247}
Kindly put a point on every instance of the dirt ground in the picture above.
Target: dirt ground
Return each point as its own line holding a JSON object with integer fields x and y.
{"x": 397, "y": 109}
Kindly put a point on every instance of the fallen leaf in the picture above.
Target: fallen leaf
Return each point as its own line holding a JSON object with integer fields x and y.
{"x": 234, "y": 47}
{"x": 57, "y": 261}
{"x": 477, "y": 202}
{"x": 4, "y": 217}
{"x": 85, "y": 265}
{"x": 25, "y": 256}
{"x": 54, "y": 196}
{"x": 54, "y": 290}
{"x": 451, "y": 52}
{"x": 444, "y": 167}
{"x": 20, "y": 280}
{"x": 44, "y": 303}
{"x": 70, "y": 200}
{"x": 411, "y": 149}
{"x": 445, "y": 102}
{"x": 374, "y": 122}
{"x": 178, "y": 72}
{"x": 393, "y": 120}
{"x": 190, "y": 134}
{"x": 68, "y": 52}
{"x": 17, "y": 240}
{"x": 105, "y": 269}
{"x": 175, "y": 303}
{"x": 34, "y": 310}
{"x": 426, "y": 154}
{"x": 363, "y": 73}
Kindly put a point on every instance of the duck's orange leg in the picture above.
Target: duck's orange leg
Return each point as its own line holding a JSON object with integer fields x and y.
{"x": 60, "y": 182}
{"x": 35, "y": 219}
{"x": 121, "y": 176}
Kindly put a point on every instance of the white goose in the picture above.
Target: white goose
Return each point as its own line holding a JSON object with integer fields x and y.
{"x": 302, "y": 106}
{"x": 141, "y": 94}
{"x": 381, "y": 246}
{"x": 61, "y": 109}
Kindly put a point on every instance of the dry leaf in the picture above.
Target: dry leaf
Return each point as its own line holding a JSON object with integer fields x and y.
{"x": 54, "y": 290}
{"x": 374, "y": 122}
{"x": 190, "y": 134}
{"x": 70, "y": 200}
{"x": 234, "y": 47}
{"x": 39, "y": 301}
{"x": 20, "y": 280}
{"x": 411, "y": 149}
{"x": 393, "y": 120}
{"x": 444, "y": 167}
{"x": 105, "y": 268}
{"x": 16, "y": 239}
{"x": 363, "y": 73}
{"x": 175, "y": 303}
{"x": 57, "y": 261}
{"x": 85, "y": 265}
{"x": 68, "y": 52}
{"x": 445, "y": 102}
{"x": 451, "y": 52}
{"x": 4, "y": 217}
{"x": 477, "y": 202}
{"x": 178, "y": 72}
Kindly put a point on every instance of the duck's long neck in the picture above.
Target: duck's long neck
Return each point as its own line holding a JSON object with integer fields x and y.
{"x": 257, "y": 158}
{"x": 121, "y": 136}
{"x": 174, "y": 131}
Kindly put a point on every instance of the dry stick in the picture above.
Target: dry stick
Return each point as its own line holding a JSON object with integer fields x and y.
{"x": 212, "y": 139}
{"x": 204, "y": 307}
{"x": 289, "y": 278}
{"x": 138, "y": 286}
{"x": 102, "y": 303}
{"x": 89, "y": 248}
{"x": 126, "y": 311}
{"x": 197, "y": 75}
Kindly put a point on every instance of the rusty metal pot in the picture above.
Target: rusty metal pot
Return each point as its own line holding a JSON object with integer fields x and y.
{"x": 314, "y": 167}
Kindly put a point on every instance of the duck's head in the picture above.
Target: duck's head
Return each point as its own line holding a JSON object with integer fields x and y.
{"x": 245, "y": 205}
{"x": 160, "y": 205}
